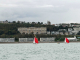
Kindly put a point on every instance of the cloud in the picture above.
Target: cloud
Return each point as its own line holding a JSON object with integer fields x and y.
{"x": 56, "y": 11}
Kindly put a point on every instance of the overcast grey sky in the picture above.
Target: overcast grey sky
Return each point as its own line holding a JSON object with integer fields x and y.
{"x": 56, "y": 11}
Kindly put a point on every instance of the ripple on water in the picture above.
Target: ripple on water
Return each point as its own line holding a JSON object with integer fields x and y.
{"x": 42, "y": 51}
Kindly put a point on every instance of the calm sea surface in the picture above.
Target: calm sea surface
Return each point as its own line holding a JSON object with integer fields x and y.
{"x": 41, "y": 51}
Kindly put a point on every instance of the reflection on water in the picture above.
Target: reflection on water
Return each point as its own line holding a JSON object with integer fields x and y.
{"x": 42, "y": 51}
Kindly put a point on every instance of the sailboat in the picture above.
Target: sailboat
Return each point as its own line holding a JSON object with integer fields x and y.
{"x": 66, "y": 40}
{"x": 35, "y": 40}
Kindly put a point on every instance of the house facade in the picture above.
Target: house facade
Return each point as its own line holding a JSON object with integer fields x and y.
{"x": 34, "y": 30}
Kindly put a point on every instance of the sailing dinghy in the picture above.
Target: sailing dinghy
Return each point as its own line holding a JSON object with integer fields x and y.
{"x": 35, "y": 40}
{"x": 66, "y": 40}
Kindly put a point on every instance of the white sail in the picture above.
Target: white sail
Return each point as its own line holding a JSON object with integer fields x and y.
{"x": 34, "y": 40}
{"x": 65, "y": 40}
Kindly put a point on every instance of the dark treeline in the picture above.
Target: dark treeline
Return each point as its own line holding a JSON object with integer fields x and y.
{"x": 10, "y": 30}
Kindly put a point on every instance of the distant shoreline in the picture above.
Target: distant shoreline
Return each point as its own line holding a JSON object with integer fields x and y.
{"x": 39, "y": 42}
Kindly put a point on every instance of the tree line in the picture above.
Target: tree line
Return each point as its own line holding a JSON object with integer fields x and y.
{"x": 11, "y": 30}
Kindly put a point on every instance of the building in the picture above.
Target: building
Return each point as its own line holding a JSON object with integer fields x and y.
{"x": 76, "y": 30}
{"x": 34, "y": 30}
{"x": 48, "y": 23}
{"x": 62, "y": 30}
{"x": 48, "y": 39}
{"x": 70, "y": 29}
{"x": 63, "y": 24}
{"x": 72, "y": 38}
{"x": 26, "y": 39}
{"x": 4, "y": 22}
{"x": 75, "y": 24}
{"x": 1, "y": 21}
{"x": 48, "y": 32}
{"x": 7, "y": 39}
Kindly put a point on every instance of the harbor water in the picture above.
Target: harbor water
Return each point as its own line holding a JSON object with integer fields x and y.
{"x": 41, "y": 51}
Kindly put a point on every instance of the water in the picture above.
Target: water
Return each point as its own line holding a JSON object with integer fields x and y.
{"x": 41, "y": 51}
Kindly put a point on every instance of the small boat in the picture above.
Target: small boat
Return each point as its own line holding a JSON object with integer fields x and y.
{"x": 35, "y": 41}
{"x": 66, "y": 40}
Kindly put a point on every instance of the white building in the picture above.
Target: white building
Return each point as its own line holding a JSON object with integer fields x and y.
{"x": 72, "y": 38}
{"x": 49, "y": 39}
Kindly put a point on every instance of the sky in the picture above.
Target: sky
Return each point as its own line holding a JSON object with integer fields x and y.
{"x": 55, "y": 11}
